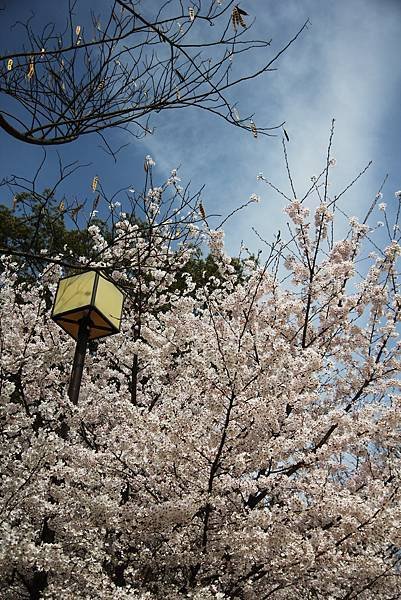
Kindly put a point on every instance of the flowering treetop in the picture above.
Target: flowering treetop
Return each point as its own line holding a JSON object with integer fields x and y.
{"x": 239, "y": 439}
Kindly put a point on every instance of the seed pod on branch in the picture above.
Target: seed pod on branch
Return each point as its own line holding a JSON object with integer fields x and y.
{"x": 237, "y": 17}
{"x": 202, "y": 210}
{"x": 31, "y": 68}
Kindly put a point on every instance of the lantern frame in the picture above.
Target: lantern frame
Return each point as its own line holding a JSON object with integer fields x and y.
{"x": 100, "y": 324}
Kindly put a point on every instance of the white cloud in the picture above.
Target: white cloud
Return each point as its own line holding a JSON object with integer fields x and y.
{"x": 345, "y": 66}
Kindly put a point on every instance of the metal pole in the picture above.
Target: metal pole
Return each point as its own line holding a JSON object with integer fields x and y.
{"x": 79, "y": 359}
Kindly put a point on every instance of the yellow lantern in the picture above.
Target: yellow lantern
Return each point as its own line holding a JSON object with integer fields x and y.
{"x": 87, "y": 306}
{"x": 89, "y": 295}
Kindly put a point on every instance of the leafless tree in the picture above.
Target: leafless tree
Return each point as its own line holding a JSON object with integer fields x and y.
{"x": 118, "y": 69}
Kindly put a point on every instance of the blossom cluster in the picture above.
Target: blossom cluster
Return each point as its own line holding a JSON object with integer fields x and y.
{"x": 238, "y": 439}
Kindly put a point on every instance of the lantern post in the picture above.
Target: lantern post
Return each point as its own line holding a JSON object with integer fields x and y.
{"x": 87, "y": 306}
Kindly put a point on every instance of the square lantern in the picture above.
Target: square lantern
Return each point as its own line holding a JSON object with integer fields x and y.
{"x": 89, "y": 294}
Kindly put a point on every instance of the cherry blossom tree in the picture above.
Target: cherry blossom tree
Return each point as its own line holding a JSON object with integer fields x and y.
{"x": 250, "y": 450}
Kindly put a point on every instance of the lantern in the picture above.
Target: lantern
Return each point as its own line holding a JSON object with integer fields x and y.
{"x": 87, "y": 306}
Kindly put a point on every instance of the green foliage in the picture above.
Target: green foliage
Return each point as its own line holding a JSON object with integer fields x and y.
{"x": 37, "y": 228}
{"x": 203, "y": 269}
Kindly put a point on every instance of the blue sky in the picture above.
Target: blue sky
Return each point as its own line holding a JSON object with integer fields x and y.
{"x": 346, "y": 65}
